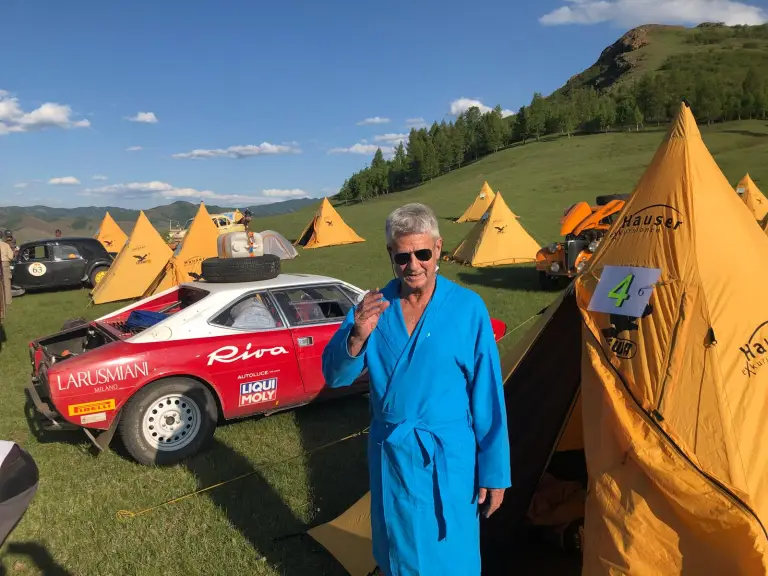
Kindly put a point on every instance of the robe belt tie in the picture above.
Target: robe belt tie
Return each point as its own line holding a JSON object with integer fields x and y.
{"x": 396, "y": 434}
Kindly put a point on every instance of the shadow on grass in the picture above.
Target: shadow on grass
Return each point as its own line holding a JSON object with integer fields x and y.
{"x": 73, "y": 437}
{"x": 337, "y": 477}
{"x": 520, "y": 278}
{"x": 39, "y": 555}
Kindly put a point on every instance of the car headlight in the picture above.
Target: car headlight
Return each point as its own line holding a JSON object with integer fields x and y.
{"x": 552, "y": 248}
{"x": 593, "y": 246}
{"x": 580, "y": 266}
{"x": 555, "y": 267}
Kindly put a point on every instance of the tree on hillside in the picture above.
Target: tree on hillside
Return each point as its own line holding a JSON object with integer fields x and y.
{"x": 493, "y": 129}
{"x": 708, "y": 101}
{"x": 537, "y": 116}
{"x": 520, "y": 130}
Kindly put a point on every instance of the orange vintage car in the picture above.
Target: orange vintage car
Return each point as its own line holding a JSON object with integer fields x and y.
{"x": 583, "y": 226}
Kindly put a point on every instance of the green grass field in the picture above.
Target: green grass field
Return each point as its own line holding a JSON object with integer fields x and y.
{"x": 72, "y": 528}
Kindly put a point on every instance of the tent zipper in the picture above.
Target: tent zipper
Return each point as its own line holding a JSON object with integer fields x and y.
{"x": 655, "y": 425}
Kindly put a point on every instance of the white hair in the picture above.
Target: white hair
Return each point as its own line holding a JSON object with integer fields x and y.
{"x": 411, "y": 219}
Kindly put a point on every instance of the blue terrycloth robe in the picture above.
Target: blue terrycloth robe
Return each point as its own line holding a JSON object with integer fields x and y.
{"x": 438, "y": 430}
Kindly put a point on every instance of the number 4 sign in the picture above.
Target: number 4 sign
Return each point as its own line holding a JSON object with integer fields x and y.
{"x": 624, "y": 290}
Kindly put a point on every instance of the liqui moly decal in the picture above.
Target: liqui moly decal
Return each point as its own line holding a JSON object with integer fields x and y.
{"x": 105, "y": 375}
{"x": 258, "y": 392}
{"x": 233, "y": 354}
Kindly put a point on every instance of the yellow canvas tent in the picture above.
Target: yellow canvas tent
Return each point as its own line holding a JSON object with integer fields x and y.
{"x": 753, "y": 198}
{"x": 652, "y": 389}
{"x": 110, "y": 235}
{"x": 496, "y": 240}
{"x": 198, "y": 244}
{"x": 479, "y": 206}
{"x": 327, "y": 228}
{"x": 137, "y": 265}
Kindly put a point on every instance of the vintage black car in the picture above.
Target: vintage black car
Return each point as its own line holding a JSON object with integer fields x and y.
{"x": 58, "y": 263}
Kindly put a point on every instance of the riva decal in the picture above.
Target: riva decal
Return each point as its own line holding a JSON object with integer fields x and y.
{"x": 91, "y": 407}
{"x": 258, "y": 392}
{"x": 102, "y": 376}
{"x": 233, "y": 354}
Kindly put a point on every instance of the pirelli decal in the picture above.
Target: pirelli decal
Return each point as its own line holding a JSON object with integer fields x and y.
{"x": 91, "y": 407}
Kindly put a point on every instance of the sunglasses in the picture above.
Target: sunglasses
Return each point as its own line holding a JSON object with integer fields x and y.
{"x": 402, "y": 258}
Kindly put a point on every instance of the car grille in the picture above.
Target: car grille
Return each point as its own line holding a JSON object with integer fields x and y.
{"x": 573, "y": 247}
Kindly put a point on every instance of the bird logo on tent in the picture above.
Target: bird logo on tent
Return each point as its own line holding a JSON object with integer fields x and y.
{"x": 500, "y": 228}
{"x": 141, "y": 259}
{"x": 329, "y": 222}
{"x": 108, "y": 242}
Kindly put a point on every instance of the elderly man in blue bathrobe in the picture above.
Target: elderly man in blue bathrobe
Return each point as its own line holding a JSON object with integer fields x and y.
{"x": 438, "y": 448}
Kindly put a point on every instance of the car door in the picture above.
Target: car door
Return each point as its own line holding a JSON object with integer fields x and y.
{"x": 314, "y": 314}
{"x": 68, "y": 264}
{"x": 252, "y": 361}
{"x": 33, "y": 267}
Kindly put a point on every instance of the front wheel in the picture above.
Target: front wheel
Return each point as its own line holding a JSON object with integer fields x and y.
{"x": 168, "y": 421}
{"x": 97, "y": 275}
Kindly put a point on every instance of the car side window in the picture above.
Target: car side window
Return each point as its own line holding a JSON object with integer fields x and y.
{"x": 223, "y": 222}
{"x": 65, "y": 252}
{"x": 254, "y": 311}
{"x": 34, "y": 253}
{"x": 313, "y": 304}
{"x": 351, "y": 294}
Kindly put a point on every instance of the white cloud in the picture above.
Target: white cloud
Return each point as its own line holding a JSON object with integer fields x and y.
{"x": 634, "y": 12}
{"x": 461, "y": 105}
{"x": 133, "y": 148}
{"x": 416, "y": 123}
{"x": 64, "y": 181}
{"x": 274, "y": 193}
{"x": 144, "y": 118}
{"x": 359, "y": 148}
{"x": 99, "y": 177}
{"x": 21, "y": 185}
{"x": 49, "y": 115}
{"x": 265, "y": 148}
{"x": 155, "y": 188}
{"x": 391, "y": 138}
{"x": 374, "y": 120}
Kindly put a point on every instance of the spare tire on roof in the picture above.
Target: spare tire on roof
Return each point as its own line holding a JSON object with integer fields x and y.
{"x": 241, "y": 269}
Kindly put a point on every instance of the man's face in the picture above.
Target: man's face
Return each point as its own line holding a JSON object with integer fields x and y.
{"x": 404, "y": 253}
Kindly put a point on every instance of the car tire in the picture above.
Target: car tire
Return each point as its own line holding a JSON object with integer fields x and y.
{"x": 93, "y": 276}
{"x": 155, "y": 422}
{"x": 241, "y": 269}
{"x": 73, "y": 323}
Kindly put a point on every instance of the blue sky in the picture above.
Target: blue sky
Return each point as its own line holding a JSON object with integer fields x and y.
{"x": 242, "y": 102}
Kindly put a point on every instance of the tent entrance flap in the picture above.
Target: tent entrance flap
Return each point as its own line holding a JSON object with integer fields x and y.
{"x": 541, "y": 395}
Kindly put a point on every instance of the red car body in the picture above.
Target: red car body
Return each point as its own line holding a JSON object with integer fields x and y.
{"x": 83, "y": 376}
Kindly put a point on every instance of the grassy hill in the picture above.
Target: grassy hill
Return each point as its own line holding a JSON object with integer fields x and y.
{"x": 729, "y": 51}
{"x": 31, "y": 222}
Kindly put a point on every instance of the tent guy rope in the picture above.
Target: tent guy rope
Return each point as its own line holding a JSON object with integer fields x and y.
{"x": 124, "y": 514}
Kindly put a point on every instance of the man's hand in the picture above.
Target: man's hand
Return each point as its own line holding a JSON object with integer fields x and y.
{"x": 490, "y": 499}
{"x": 367, "y": 314}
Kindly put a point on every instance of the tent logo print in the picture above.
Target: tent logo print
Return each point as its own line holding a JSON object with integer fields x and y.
{"x": 754, "y": 352}
{"x": 651, "y": 219}
{"x": 142, "y": 259}
{"x": 500, "y": 229}
{"x": 108, "y": 242}
{"x": 624, "y": 348}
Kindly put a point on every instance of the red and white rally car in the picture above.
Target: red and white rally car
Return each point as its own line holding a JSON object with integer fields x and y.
{"x": 164, "y": 370}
